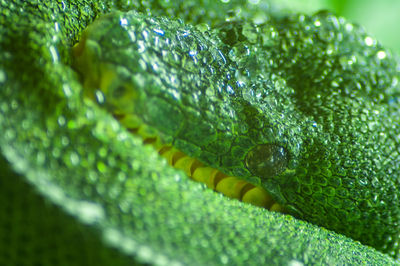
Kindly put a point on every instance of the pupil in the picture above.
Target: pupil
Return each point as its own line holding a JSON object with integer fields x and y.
{"x": 266, "y": 160}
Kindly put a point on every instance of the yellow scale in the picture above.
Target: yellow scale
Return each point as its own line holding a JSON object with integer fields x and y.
{"x": 230, "y": 186}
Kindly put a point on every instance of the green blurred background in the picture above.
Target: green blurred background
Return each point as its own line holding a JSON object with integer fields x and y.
{"x": 381, "y": 18}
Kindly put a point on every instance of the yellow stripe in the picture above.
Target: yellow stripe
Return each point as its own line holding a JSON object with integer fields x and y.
{"x": 230, "y": 186}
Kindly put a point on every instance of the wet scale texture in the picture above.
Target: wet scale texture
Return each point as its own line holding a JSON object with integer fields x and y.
{"x": 230, "y": 186}
{"x": 94, "y": 182}
{"x": 335, "y": 70}
{"x": 218, "y": 96}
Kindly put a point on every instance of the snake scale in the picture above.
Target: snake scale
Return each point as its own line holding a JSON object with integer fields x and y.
{"x": 315, "y": 95}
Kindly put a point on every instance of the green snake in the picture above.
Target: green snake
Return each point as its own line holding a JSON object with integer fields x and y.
{"x": 314, "y": 94}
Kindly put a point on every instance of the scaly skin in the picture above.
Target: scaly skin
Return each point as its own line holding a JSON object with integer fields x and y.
{"x": 262, "y": 129}
{"x": 78, "y": 158}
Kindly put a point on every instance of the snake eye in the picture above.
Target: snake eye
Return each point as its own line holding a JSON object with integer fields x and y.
{"x": 266, "y": 160}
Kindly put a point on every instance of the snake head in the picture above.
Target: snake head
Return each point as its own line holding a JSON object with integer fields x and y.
{"x": 222, "y": 99}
